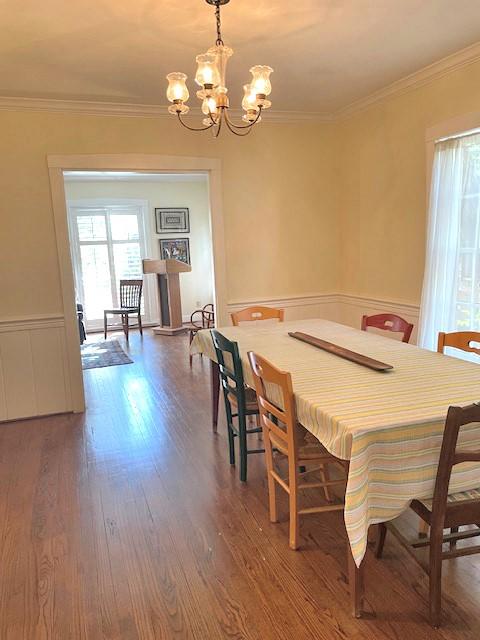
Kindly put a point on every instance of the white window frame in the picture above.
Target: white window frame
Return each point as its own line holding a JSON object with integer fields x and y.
{"x": 144, "y": 241}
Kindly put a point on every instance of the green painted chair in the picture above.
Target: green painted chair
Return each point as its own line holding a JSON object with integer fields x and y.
{"x": 240, "y": 401}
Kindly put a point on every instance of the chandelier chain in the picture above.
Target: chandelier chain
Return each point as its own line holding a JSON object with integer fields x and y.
{"x": 219, "y": 24}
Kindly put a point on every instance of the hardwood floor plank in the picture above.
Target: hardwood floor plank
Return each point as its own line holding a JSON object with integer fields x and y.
{"x": 128, "y": 523}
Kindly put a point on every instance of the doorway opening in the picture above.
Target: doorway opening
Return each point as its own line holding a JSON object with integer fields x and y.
{"x": 116, "y": 219}
{"x": 121, "y": 163}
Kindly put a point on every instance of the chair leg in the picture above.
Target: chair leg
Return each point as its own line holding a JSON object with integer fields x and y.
{"x": 140, "y": 325}
{"x": 190, "y": 340}
{"x": 105, "y": 325}
{"x": 293, "y": 502}
{"x": 436, "y": 539}
{"x": 125, "y": 326}
{"x": 324, "y": 477}
{"x": 453, "y": 543}
{"x": 380, "y": 542}
{"x": 242, "y": 441}
{"x": 231, "y": 443}
{"x": 272, "y": 488}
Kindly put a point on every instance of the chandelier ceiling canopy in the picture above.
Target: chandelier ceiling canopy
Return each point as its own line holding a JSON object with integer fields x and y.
{"x": 210, "y": 77}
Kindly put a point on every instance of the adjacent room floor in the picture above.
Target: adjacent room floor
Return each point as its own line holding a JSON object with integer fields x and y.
{"x": 128, "y": 523}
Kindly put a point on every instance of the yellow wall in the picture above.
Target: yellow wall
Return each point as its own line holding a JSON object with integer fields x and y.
{"x": 309, "y": 208}
{"x": 381, "y": 168}
{"x": 276, "y": 190}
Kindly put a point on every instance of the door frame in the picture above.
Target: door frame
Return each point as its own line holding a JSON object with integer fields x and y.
{"x": 152, "y": 163}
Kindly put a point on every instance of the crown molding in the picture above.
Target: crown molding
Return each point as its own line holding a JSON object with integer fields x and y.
{"x": 125, "y": 109}
{"x": 83, "y": 107}
{"x": 428, "y": 74}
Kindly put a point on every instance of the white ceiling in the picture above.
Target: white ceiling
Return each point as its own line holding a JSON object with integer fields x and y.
{"x": 325, "y": 53}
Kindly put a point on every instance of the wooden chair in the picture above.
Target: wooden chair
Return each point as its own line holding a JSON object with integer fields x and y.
{"x": 282, "y": 432}
{"x": 240, "y": 402}
{"x": 388, "y": 322}
{"x": 459, "y": 340}
{"x": 130, "y": 303}
{"x": 256, "y": 313}
{"x": 444, "y": 510}
{"x": 203, "y": 318}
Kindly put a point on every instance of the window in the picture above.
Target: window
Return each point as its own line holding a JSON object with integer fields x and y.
{"x": 107, "y": 246}
{"x": 451, "y": 290}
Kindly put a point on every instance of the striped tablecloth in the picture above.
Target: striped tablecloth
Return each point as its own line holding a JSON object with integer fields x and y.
{"x": 389, "y": 425}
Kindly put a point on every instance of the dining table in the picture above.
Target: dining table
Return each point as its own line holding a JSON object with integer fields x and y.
{"x": 388, "y": 424}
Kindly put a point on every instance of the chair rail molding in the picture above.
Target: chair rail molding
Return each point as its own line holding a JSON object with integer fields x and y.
{"x": 339, "y": 307}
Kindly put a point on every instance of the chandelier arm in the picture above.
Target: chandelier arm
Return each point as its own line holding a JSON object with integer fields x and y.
{"x": 244, "y": 126}
{"x": 193, "y": 128}
{"x": 237, "y": 133}
{"x": 210, "y": 115}
{"x": 219, "y": 128}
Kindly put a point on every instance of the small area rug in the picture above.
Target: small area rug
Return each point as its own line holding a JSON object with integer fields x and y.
{"x": 107, "y": 353}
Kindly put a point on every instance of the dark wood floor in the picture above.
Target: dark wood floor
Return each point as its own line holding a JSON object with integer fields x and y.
{"x": 128, "y": 522}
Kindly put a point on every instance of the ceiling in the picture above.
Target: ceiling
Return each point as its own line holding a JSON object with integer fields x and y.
{"x": 326, "y": 54}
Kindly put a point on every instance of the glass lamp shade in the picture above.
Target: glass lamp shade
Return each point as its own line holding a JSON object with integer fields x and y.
{"x": 249, "y": 102}
{"x": 261, "y": 79}
{"x": 209, "y": 105}
{"x": 208, "y": 121}
{"x": 177, "y": 89}
{"x": 207, "y": 71}
{"x": 222, "y": 53}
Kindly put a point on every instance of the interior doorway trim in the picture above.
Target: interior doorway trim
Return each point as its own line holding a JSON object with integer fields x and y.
{"x": 57, "y": 164}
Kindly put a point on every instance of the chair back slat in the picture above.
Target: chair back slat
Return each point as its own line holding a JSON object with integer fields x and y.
{"x": 130, "y": 293}
{"x": 251, "y": 314}
{"x": 268, "y": 377}
{"x": 230, "y": 368}
{"x": 457, "y": 417}
{"x": 459, "y": 340}
{"x": 388, "y": 322}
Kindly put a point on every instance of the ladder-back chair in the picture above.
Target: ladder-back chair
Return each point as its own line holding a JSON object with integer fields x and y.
{"x": 240, "y": 402}
{"x": 251, "y": 314}
{"x": 444, "y": 510}
{"x": 282, "y": 432}
{"x": 130, "y": 304}
{"x": 459, "y": 340}
{"x": 388, "y": 322}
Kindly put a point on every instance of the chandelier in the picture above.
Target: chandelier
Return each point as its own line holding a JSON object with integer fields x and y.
{"x": 210, "y": 77}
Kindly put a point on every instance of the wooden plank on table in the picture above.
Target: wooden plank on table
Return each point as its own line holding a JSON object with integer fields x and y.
{"x": 337, "y": 350}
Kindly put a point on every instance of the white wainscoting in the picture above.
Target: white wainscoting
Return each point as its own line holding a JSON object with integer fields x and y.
{"x": 34, "y": 373}
{"x": 34, "y": 376}
{"x": 297, "y": 308}
{"x": 352, "y": 308}
{"x": 343, "y": 308}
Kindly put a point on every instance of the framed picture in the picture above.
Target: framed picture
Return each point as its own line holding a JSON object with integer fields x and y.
{"x": 175, "y": 248}
{"x": 172, "y": 220}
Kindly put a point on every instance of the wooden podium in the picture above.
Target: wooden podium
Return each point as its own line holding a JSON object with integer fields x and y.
{"x": 168, "y": 293}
